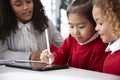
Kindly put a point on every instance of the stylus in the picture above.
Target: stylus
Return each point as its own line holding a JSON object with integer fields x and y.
{"x": 25, "y": 61}
{"x": 48, "y": 47}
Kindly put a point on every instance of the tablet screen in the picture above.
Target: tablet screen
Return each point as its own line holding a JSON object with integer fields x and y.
{"x": 38, "y": 66}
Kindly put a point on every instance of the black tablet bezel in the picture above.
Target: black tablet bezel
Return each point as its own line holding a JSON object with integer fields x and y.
{"x": 24, "y": 66}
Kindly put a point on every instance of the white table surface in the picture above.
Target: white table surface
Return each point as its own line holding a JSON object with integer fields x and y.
{"x": 9, "y": 73}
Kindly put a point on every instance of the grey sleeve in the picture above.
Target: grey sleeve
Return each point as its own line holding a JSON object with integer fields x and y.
{"x": 5, "y": 53}
{"x": 54, "y": 35}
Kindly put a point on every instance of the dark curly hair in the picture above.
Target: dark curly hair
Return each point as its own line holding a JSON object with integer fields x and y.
{"x": 8, "y": 20}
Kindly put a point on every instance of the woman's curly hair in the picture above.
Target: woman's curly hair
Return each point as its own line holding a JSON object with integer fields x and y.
{"x": 8, "y": 20}
{"x": 110, "y": 10}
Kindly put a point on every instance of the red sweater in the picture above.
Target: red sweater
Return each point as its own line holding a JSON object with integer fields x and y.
{"x": 112, "y": 63}
{"x": 89, "y": 56}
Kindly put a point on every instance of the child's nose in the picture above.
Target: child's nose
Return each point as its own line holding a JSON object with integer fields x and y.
{"x": 76, "y": 31}
{"x": 97, "y": 28}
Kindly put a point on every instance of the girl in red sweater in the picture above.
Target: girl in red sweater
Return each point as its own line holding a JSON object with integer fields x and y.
{"x": 82, "y": 48}
{"x": 107, "y": 16}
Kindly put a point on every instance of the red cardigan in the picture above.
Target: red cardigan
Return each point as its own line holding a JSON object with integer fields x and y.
{"x": 89, "y": 56}
{"x": 112, "y": 63}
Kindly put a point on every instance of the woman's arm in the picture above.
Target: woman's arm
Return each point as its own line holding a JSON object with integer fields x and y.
{"x": 5, "y": 53}
{"x": 54, "y": 35}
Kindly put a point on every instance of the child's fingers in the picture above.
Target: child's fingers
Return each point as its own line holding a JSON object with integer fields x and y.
{"x": 44, "y": 56}
{"x": 46, "y": 60}
{"x": 51, "y": 57}
{"x": 45, "y": 51}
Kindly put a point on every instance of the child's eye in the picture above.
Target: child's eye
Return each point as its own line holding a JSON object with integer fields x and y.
{"x": 71, "y": 26}
{"x": 100, "y": 23}
{"x": 81, "y": 26}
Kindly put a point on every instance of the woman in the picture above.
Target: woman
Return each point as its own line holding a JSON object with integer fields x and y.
{"x": 24, "y": 24}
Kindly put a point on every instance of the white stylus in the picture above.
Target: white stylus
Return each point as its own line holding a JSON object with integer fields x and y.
{"x": 26, "y": 61}
{"x": 48, "y": 47}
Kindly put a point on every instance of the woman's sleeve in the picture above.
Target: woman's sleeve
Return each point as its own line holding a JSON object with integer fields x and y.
{"x": 54, "y": 35}
{"x": 5, "y": 53}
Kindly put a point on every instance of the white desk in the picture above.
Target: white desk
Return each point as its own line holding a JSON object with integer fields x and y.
{"x": 8, "y": 73}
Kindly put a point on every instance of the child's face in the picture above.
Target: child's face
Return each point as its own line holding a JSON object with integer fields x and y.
{"x": 23, "y": 9}
{"x": 80, "y": 27}
{"x": 103, "y": 27}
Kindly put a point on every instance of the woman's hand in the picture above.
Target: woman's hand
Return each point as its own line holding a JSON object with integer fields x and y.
{"x": 45, "y": 57}
{"x": 35, "y": 55}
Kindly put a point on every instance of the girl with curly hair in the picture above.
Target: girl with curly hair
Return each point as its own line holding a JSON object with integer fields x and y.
{"x": 106, "y": 13}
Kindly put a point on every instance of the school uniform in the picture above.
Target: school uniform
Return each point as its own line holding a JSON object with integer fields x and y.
{"x": 112, "y": 61}
{"x": 89, "y": 55}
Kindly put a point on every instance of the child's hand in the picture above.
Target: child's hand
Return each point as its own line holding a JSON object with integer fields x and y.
{"x": 45, "y": 56}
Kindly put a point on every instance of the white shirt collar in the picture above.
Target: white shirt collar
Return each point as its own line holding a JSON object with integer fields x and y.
{"x": 91, "y": 39}
{"x": 115, "y": 46}
{"x": 22, "y": 25}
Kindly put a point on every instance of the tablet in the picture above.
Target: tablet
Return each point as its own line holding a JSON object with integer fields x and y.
{"x": 37, "y": 66}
